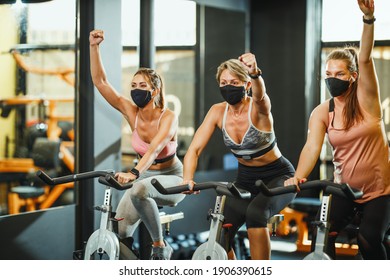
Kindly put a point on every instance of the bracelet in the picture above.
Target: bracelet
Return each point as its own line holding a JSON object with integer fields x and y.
{"x": 369, "y": 21}
{"x": 257, "y": 75}
{"x": 135, "y": 172}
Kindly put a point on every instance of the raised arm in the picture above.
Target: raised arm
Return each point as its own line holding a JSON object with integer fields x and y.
{"x": 99, "y": 77}
{"x": 260, "y": 98}
{"x": 199, "y": 142}
{"x": 368, "y": 87}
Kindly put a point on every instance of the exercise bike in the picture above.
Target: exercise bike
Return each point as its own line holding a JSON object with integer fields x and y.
{"x": 215, "y": 248}
{"x": 322, "y": 226}
{"x": 105, "y": 243}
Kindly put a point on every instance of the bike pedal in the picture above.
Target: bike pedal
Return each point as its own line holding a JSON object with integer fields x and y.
{"x": 78, "y": 255}
{"x": 100, "y": 208}
{"x": 227, "y": 226}
{"x": 319, "y": 224}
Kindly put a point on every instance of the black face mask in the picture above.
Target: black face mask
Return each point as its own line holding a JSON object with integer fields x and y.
{"x": 141, "y": 97}
{"x": 232, "y": 94}
{"x": 336, "y": 86}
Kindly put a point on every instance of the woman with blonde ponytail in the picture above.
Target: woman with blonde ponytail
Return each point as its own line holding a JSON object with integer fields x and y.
{"x": 154, "y": 139}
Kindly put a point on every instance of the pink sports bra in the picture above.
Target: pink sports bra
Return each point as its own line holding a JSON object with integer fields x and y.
{"x": 141, "y": 147}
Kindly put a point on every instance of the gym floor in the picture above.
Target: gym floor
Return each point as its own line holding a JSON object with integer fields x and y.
{"x": 283, "y": 248}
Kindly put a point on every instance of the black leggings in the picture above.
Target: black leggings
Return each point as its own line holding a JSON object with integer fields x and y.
{"x": 374, "y": 223}
{"x": 256, "y": 211}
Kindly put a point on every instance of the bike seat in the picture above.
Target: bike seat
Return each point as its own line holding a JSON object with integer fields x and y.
{"x": 162, "y": 206}
{"x": 306, "y": 205}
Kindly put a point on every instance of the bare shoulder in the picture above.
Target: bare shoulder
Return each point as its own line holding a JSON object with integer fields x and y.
{"x": 214, "y": 115}
{"x": 169, "y": 115}
{"x": 218, "y": 108}
{"x": 128, "y": 109}
{"x": 320, "y": 113}
{"x": 216, "y": 112}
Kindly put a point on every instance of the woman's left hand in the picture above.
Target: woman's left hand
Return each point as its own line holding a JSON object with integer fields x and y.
{"x": 124, "y": 178}
{"x": 190, "y": 183}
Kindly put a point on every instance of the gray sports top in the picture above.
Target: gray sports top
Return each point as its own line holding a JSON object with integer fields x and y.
{"x": 254, "y": 143}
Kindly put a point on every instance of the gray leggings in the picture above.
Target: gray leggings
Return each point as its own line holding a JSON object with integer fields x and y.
{"x": 142, "y": 200}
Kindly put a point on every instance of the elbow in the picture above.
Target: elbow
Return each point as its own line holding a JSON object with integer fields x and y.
{"x": 99, "y": 82}
{"x": 258, "y": 98}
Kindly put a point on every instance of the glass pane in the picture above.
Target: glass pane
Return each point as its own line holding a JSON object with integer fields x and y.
{"x": 175, "y": 25}
{"x": 56, "y": 26}
{"x": 174, "y": 22}
{"x": 130, "y": 22}
{"x": 342, "y": 21}
{"x": 382, "y": 64}
{"x": 130, "y": 62}
{"x": 37, "y": 65}
{"x": 177, "y": 69}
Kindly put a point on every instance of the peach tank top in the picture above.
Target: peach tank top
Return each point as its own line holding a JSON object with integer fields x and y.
{"x": 361, "y": 156}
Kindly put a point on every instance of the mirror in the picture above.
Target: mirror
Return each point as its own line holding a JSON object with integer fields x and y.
{"x": 37, "y": 66}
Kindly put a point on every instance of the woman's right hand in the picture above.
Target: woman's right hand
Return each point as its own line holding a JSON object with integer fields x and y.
{"x": 367, "y": 7}
{"x": 96, "y": 37}
{"x": 294, "y": 181}
{"x": 248, "y": 60}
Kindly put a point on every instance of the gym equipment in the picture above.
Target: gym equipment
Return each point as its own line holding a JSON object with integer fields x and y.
{"x": 322, "y": 226}
{"x": 215, "y": 248}
{"x": 104, "y": 243}
{"x": 45, "y": 155}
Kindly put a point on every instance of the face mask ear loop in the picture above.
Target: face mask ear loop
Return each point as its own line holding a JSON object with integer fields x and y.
{"x": 248, "y": 89}
{"x": 352, "y": 80}
{"x": 154, "y": 99}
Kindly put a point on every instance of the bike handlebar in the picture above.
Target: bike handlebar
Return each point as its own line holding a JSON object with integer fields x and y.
{"x": 109, "y": 180}
{"x": 220, "y": 187}
{"x": 173, "y": 190}
{"x": 343, "y": 190}
{"x": 106, "y": 177}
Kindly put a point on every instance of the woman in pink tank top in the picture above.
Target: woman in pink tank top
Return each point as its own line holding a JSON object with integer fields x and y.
{"x": 154, "y": 139}
{"x": 352, "y": 120}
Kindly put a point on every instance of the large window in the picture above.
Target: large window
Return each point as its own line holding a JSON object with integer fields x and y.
{"x": 174, "y": 22}
{"x": 174, "y": 35}
{"x": 341, "y": 21}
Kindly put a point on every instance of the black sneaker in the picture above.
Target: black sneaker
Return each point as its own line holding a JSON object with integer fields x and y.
{"x": 162, "y": 253}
